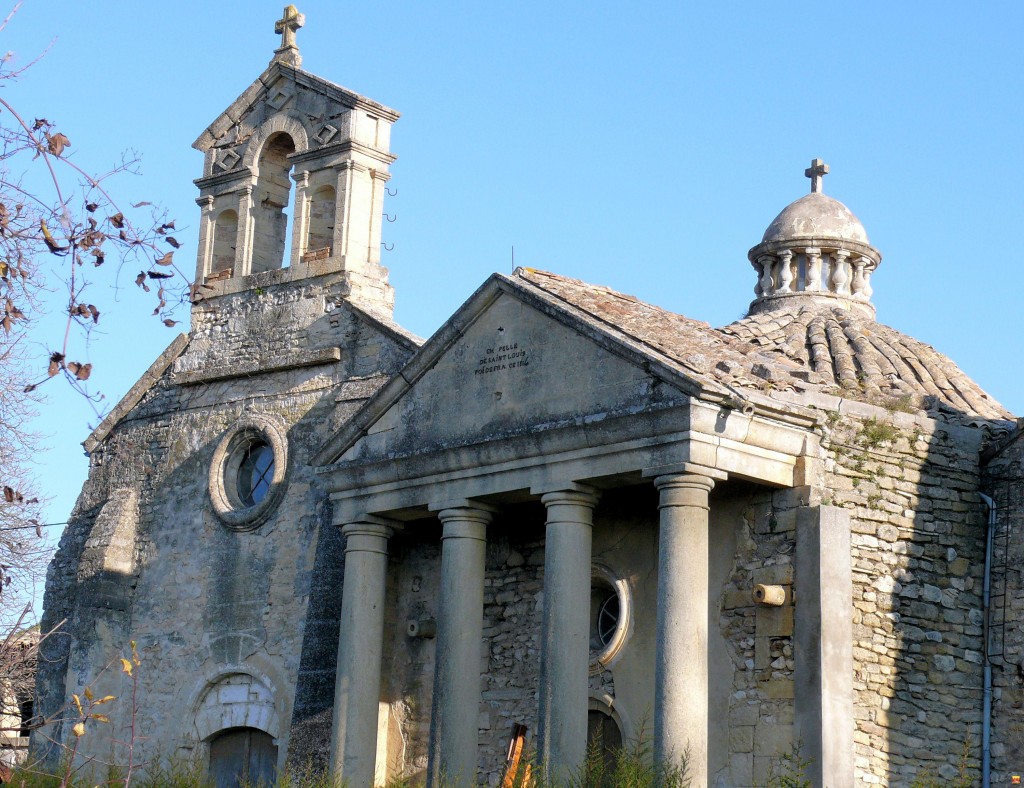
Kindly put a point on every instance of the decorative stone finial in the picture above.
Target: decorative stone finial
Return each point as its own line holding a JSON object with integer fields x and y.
{"x": 288, "y": 52}
{"x": 815, "y": 172}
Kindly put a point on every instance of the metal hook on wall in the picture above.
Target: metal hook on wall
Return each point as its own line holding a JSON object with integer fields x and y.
{"x": 387, "y": 248}
{"x": 391, "y": 218}
{"x": 391, "y": 193}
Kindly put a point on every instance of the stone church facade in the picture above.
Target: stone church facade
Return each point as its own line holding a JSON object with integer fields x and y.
{"x": 567, "y": 514}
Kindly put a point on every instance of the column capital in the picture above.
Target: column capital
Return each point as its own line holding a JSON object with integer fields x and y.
{"x": 566, "y": 492}
{"x": 684, "y": 480}
{"x": 689, "y": 490}
{"x": 369, "y": 533}
{"x": 580, "y": 496}
{"x": 466, "y": 522}
{"x": 440, "y": 505}
{"x": 684, "y": 469}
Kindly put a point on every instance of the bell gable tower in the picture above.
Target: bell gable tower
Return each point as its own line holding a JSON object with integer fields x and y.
{"x": 293, "y": 185}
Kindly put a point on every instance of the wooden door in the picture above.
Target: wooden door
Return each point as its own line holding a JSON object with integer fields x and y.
{"x": 243, "y": 756}
{"x": 603, "y": 733}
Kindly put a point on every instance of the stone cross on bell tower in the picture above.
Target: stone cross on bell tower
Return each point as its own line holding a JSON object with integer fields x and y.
{"x": 286, "y": 27}
{"x": 816, "y": 172}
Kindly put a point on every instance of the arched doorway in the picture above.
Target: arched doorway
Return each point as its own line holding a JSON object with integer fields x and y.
{"x": 243, "y": 757}
{"x": 605, "y": 736}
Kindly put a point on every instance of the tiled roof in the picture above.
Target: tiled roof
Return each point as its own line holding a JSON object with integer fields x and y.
{"x": 811, "y": 348}
{"x": 852, "y": 352}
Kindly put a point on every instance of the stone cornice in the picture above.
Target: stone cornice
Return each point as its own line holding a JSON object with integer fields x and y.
{"x": 813, "y": 242}
{"x": 294, "y": 360}
{"x": 242, "y": 176}
{"x": 625, "y": 449}
{"x": 338, "y": 148}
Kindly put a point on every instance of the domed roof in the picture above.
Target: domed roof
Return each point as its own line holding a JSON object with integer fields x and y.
{"x": 816, "y": 215}
{"x": 854, "y": 353}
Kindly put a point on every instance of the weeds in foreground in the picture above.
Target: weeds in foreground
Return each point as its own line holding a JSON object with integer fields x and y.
{"x": 629, "y": 766}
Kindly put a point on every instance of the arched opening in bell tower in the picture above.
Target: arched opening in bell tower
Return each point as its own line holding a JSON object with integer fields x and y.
{"x": 271, "y": 197}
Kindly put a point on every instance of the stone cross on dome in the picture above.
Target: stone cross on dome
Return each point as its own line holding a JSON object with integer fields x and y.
{"x": 286, "y": 27}
{"x": 816, "y": 172}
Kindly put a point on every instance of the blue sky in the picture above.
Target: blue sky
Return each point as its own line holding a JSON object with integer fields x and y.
{"x": 641, "y": 146}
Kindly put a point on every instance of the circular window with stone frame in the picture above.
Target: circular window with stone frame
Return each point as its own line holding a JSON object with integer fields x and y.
{"x": 247, "y": 476}
{"x": 611, "y": 614}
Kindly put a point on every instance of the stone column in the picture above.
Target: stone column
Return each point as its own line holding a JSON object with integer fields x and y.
{"x": 858, "y": 282}
{"x": 360, "y": 643}
{"x": 681, "y": 658}
{"x": 453, "y": 720}
{"x": 866, "y": 290}
{"x": 784, "y": 278}
{"x": 841, "y": 274}
{"x": 565, "y": 631}
{"x": 765, "y": 286}
{"x": 823, "y": 645}
{"x": 812, "y": 281}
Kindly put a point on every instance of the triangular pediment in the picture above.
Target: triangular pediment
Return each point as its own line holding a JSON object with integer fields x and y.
{"x": 281, "y": 88}
{"x": 509, "y": 363}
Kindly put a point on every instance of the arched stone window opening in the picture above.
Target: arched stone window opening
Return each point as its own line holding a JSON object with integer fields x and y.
{"x": 271, "y": 197}
{"x": 225, "y": 233}
{"x": 320, "y": 236}
{"x": 242, "y": 757}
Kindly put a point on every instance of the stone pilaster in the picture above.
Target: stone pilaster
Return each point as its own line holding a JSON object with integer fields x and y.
{"x": 342, "y": 206}
{"x": 681, "y": 658}
{"x": 823, "y": 645}
{"x": 565, "y": 631}
{"x": 360, "y": 643}
{"x": 300, "y": 220}
{"x": 243, "y": 242}
{"x": 204, "y": 258}
{"x": 453, "y": 720}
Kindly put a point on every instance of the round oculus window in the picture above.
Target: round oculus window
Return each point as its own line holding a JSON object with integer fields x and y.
{"x": 604, "y": 613}
{"x": 610, "y": 617}
{"x": 247, "y": 475}
{"x": 255, "y": 472}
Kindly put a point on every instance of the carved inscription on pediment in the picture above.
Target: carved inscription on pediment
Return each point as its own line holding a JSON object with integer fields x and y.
{"x": 504, "y": 359}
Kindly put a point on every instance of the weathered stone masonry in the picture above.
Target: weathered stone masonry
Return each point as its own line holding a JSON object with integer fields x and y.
{"x": 567, "y": 515}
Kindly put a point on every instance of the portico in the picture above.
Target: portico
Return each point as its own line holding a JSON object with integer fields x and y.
{"x": 488, "y": 454}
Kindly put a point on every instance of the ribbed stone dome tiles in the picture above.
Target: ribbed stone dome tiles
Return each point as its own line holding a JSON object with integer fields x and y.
{"x": 859, "y": 355}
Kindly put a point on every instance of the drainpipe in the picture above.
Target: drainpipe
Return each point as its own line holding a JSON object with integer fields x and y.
{"x": 986, "y": 711}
